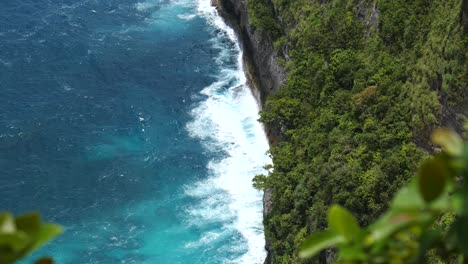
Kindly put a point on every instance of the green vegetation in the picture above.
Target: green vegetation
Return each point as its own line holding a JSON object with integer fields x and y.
{"x": 411, "y": 231}
{"x": 368, "y": 80}
{"x": 21, "y": 235}
{"x": 263, "y": 16}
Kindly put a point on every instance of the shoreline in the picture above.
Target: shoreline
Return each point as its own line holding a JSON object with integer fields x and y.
{"x": 257, "y": 90}
{"x": 262, "y": 83}
{"x": 252, "y": 81}
{"x": 264, "y": 75}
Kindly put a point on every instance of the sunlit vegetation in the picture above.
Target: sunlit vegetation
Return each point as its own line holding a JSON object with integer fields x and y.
{"x": 368, "y": 82}
{"x": 426, "y": 221}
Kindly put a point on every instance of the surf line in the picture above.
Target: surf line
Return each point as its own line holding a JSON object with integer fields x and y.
{"x": 227, "y": 122}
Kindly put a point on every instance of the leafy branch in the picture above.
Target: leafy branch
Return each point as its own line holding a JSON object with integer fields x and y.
{"x": 408, "y": 231}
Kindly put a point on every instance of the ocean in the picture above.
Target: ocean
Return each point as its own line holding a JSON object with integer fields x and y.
{"x": 131, "y": 124}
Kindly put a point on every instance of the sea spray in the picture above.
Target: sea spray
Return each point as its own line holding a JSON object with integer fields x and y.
{"x": 227, "y": 121}
{"x": 129, "y": 122}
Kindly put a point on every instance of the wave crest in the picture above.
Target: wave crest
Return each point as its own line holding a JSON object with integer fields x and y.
{"x": 227, "y": 121}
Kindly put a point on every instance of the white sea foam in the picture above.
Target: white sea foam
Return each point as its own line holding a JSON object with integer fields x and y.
{"x": 144, "y": 6}
{"x": 5, "y": 63}
{"x": 152, "y": 4}
{"x": 227, "y": 121}
{"x": 186, "y": 16}
{"x": 207, "y": 238}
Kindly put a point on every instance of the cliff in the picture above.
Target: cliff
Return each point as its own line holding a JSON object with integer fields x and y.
{"x": 368, "y": 80}
{"x": 264, "y": 74}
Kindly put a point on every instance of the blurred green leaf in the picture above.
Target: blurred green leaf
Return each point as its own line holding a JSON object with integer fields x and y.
{"x": 14, "y": 241}
{"x": 318, "y": 242}
{"x": 451, "y": 239}
{"x": 450, "y": 141}
{"x": 408, "y": 198}
{"x": 389, "y": 225}
{"x": 432, "y": 178}
{"x": 7, "y": 257}
{"x": 456, "y": 202}
{"x": 343, "y": 222}
{"x": 29, "y": 223}
{"x": 20, "y": 236}
{"x": 461, "y": 233}
{"x": 352, "y": 253}
{"x": 7, "y": 223}
{"x": 427, "y": 240}
{"x": 46, "y": 233}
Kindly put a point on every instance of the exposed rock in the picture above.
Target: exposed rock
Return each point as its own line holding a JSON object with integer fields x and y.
{"x": 369, "y": 14}
{"x": 264, "y": 74}
{"x": 263, "y": 71}
{"x": 267, "y": 203}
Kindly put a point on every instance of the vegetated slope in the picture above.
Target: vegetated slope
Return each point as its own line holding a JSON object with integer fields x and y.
{"x": 368, "y": 81}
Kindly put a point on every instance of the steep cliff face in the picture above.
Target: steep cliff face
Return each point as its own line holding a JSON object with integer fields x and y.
{"x": 264, "y": 72}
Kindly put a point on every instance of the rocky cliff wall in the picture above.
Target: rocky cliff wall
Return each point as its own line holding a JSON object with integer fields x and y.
{"x": 264, "y": 74}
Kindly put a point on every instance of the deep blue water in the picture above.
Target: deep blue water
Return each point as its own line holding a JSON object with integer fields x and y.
{"x": 130, "y": 124}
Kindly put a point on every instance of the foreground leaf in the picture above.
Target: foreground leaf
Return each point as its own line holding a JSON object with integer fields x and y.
{"x": 7, "y": 223}
{"x": 461, "y": 233}
{"x": 15, "y": 241}
{"x": 46, "y": 233}
{"x": 29, "y": 223}
{"x": 343, "y": 222}
{"x": 349, "y": 254}
{"x": 450, "y": 141}
{"x": 408, "y": 198}
{"x": 389, "y": 225}
{"x": 318, "y": 242}
{"x": 432, "y": 178}
{"x": 427, "y": 240}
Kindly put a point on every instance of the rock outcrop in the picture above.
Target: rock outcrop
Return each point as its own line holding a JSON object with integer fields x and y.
{"x": 264, "y": 74}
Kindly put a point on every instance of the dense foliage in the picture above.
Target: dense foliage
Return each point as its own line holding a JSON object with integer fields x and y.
{"x": 410, "y": 231}
{"x": 368, "y": 80}
{"x": 22, "y": 235}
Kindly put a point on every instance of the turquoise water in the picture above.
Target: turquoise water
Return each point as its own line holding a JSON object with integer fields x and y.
{"x": 131, "y": 124}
